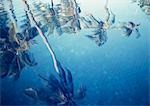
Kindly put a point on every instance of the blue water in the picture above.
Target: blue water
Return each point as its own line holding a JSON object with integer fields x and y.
{"x": 116, "y": 73}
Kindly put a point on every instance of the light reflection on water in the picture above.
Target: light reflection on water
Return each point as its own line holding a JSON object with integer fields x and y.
{"x": 116, "y": 73}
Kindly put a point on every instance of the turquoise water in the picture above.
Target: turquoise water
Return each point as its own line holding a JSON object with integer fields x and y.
{"x": 116, "y": 73}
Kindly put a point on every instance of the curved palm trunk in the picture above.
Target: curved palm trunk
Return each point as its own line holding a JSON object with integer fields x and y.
{"x": 32, "y": 19}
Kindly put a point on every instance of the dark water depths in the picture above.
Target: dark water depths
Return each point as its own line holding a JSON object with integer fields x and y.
{"x": 116, "y": 73}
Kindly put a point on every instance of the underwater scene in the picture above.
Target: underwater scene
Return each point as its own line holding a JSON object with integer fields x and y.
{"x": 74, "y": 52}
